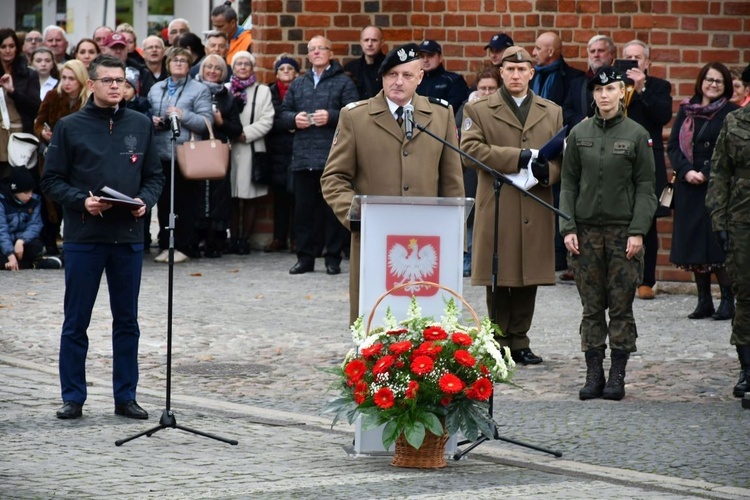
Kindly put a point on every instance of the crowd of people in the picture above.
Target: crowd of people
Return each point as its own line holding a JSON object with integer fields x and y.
{"x": 306, "y": 123}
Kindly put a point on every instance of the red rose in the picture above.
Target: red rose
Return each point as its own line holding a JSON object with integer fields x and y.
{"x": 461, "y": 338}
{"x": 382, "y": 365}
{"x": 371, "y": 351}
{"x": 481, "y": 390}
{"x": 355, "y": 370}
{"x": 428, "y": 348}
{"x": 445, "y": 401}
{"x": 450, "y": 384}
{"x": 383, "y": 398}
{"x": 435, "y": 333}
{"x": 411, "y": 391}
{"x": 400, "y": 347}
{"x": 422, "y": 365}
{"x": 464, "y": 358}
{"x": 360, "y": 392}
{"x": 484, "y": 370}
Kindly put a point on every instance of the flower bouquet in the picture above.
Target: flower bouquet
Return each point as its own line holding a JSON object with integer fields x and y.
{"x": 419, "y": 375}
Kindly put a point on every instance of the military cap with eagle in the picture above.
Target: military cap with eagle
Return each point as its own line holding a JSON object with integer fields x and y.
{"x": 399, "y": 55}
{"x": 517, "y": 54}
{"x": 604, "y": 76}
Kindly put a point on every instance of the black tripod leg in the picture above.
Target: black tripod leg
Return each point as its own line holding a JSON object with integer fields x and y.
{"x": 558, "y": 454}
{"x": 205, "y": 434}
{"x": 121, "y": 442}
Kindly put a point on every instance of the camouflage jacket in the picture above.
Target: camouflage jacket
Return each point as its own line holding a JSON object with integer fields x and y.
{"x": 728, "y": 197}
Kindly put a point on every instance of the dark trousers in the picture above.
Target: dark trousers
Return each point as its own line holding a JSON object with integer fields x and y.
{"x": 311, "y": 211}
{"x": 185, "y": 205}
{"x": 514, "y": 310}
{"x": 32, "y": 249}
{"x": 283, "y": 204}
{"x": 84, "y": 265}
{"x": 651, "y": 247}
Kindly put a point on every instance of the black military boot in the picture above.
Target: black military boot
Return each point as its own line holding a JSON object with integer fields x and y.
{"x": 615, "y": 388}
{"x": 743, "y": 384}
{"x": 594, "y": 375}
{"x": 726, "y": 307}
{"x": 705, "y": 307}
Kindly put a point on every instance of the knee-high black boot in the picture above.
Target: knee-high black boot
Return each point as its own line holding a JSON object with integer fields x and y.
{"x": 726, "y": 306}
{"x": 705, "y": 307}
{"x": 743, "y": 384}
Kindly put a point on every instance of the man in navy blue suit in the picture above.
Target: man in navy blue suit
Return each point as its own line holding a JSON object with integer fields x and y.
{"x": 104, "y": 144}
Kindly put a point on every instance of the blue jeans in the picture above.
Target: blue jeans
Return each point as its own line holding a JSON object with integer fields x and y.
{"x": 84, "y": 265}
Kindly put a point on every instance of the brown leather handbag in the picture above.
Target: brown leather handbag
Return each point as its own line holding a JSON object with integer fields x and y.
{"x": 203, "y": 160}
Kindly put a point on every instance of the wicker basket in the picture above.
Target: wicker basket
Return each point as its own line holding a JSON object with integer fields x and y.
{"x": 431, "y": 455}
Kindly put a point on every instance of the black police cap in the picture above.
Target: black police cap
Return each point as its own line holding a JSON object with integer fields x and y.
{"x": 399, "y": 55}
{"x": 604, "y": 76}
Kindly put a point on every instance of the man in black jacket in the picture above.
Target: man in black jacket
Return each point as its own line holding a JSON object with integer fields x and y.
{"x": 437, "y": 81}
{"x": 311, "y": 107}
{"x": 104, "y": 144}
{"x": 364, "y": 71}
{"x": 648, "y": 101}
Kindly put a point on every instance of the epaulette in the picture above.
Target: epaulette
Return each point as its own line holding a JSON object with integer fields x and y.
{"x": 353, "y": 105}
{"x": 442, "y": 102}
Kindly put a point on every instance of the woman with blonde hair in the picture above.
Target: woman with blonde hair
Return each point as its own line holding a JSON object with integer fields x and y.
{"x": 256, "y": 115}
{"x": 70, "y": 95}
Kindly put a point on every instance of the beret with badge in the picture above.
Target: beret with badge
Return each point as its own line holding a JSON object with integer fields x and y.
{"x": 517, "y": 54}
{"x": 604, "y": 76}
{"x": 399, "y": 55}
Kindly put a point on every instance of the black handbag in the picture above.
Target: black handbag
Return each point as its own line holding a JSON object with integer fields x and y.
{"x": 262, "y": 171}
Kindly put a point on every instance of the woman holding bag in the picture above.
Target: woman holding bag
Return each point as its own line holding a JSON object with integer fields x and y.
{"x": 215, "y": 201}
{"x": 690, "y": 147}
{"x": 256, "y": 115}
{"x": 190, "y": 102}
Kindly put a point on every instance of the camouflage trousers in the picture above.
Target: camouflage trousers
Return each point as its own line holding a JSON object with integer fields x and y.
{"x": 606, "y": 279}
{"x": 738, "y": 266}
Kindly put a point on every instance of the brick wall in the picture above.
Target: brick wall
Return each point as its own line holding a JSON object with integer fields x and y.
{"x": 683, "y": 36}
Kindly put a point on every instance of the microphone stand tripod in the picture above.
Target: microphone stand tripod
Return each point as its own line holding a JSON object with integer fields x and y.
{"x": 168, "y": 419}
{"x": 498, "y": 180}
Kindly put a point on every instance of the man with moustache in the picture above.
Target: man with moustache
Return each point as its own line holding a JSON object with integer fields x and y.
{"x": 364, "y": 71}
{"x": 505, "y": 131}
{"x": 370, "y": 154}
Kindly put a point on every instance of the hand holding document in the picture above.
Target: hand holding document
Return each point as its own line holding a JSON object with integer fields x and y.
{"x": 119, "y": 199}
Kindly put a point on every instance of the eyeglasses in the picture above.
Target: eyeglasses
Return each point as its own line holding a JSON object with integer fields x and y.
{"x": 180, "y": 61}
{"x": 106, "y": 81}
{"x": 243, "y": 64}
{"x": 152, "y": 47}
{"x": 714, "y": 81}
{"x": 34, "y": 40}
{"x": 319, "y": 48}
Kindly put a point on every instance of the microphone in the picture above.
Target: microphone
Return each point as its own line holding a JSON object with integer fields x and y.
{"x": 409, "y": 121}
{"x": 174, "y": 120}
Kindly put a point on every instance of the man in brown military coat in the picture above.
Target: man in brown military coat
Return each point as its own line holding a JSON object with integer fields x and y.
{"x": 371, "y": 155}
{"x": 505, "y": 131}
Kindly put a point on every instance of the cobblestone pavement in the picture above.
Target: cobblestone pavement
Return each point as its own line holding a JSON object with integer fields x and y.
{"x": 248, "y": 340}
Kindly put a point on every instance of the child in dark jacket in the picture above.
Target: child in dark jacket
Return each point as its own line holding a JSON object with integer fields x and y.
{"x": 20, "y": 222}
{"x": 131, "y": 94}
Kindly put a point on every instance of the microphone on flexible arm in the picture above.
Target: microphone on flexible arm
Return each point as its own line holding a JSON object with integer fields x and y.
{"x": 174, "y": 121}
{"x": 409, "y": 121}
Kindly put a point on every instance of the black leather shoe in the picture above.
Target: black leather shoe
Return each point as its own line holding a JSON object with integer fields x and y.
{"x": 131, "y": 409}
{"x": 333, "y": 269}
{"x": 70, "y": 410}
{"x": 300, "y": 268}
{"x": 525, "y": 357}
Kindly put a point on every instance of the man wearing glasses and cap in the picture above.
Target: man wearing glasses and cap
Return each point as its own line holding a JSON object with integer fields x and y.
{"x": 505, "y": 131}
{"x": 437, "y": 81}
{"x": 371, "y": 154}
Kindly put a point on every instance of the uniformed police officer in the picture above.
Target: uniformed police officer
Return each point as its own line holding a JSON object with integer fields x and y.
{"x": 370, "y": 154}
{"x": 505, "y": 131}
{"x": 608, "y": 190}
{"x": 439, "y": 82}
{"x": 727, "y": 202}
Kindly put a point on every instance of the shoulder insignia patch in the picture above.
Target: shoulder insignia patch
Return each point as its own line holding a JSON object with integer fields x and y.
{"x": 467, "y": 124}
{"x": 442, "y": 102}
{"x": 353, "y": 105}
{"x": 335, "y": 137}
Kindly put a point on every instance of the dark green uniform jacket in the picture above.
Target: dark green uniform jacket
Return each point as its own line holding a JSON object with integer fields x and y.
{"x": 608, "y": 176}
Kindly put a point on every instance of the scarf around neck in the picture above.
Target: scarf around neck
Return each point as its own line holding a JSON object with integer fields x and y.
{"x": 238, "y": 86}
{"x": 551, "y": 75}
{"x": 687, "y": 129}
{"x": 283, "y": 87}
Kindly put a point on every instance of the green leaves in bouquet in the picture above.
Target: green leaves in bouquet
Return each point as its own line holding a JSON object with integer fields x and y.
{"x": 471, "y": 418}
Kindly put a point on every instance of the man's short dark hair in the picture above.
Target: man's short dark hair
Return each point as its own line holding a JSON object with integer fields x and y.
{"x": 107, "y": 61}
{"x": 225, "y": 10}
{"x": 217, "y": 34}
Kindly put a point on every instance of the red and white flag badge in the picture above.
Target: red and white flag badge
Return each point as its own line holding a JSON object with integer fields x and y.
{"x": 650, "y": 142}
{"x": 412, "y": 258}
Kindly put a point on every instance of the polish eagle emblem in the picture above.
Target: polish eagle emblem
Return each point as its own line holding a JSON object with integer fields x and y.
{"x": 412, "y": 262}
